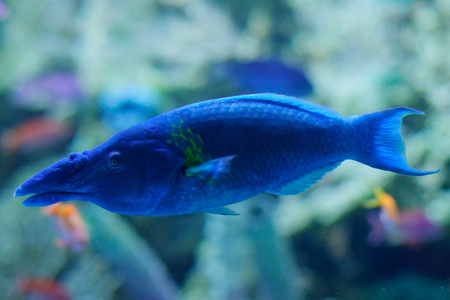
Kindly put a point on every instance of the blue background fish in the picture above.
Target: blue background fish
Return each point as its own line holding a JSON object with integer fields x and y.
{"x": 265, "y": 75}
{"x": 207, "y": 155}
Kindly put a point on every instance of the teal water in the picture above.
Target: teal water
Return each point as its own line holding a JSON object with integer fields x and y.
{"x": 74, "y": 72}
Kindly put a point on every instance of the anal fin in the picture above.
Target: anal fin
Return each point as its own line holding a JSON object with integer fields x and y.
{"x": 303, "y": 182}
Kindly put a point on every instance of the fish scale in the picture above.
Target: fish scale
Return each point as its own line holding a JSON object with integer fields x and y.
{"x": 274, "y": 151}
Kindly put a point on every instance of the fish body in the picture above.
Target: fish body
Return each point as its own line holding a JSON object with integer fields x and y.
{"x": 70, "y": 224}
{"x": 204, "y": 156}
{"x": 408, "y": 227}
{"x": 265, "y": 75}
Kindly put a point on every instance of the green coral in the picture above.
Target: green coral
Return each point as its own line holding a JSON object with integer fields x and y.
{"x": 91, "y": 278}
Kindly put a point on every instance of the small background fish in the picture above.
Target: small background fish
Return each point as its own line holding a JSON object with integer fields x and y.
{"x": 399, "y": 227}
{"x": 33, "y": 135}
{"x": 49, "y": 89}
{"x": 264, "y": 75}
{"x": 73, "y": 233}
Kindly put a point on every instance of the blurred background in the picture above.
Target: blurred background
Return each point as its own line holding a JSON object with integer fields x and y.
{"x": 72, "y": 73}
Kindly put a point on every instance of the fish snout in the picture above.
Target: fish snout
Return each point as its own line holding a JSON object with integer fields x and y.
{"x": 55, "y": 183}
{"x": 44, "y": 181}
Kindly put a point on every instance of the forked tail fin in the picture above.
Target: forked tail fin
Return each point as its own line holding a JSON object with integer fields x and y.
{"x": 381, "y": 145}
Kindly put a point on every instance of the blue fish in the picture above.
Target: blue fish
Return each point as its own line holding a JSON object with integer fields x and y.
{"x": 207, "y": 155}
{"x": 261, "y": 76}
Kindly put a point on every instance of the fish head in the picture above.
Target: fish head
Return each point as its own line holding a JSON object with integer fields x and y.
{"x": 124, "y": 175}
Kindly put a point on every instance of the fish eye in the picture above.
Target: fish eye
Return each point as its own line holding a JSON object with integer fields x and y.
{"x": 114, "y": 160}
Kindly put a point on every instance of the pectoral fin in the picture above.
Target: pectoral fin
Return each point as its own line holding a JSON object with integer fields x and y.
{"x": 211, "y": 169}
{"x": 221, "y": 211}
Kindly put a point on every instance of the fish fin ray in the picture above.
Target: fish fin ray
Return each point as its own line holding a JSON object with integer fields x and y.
{"x": 211, "y": 169}
{"x": 387, "y": 149}
{"x": 300, "y": 184}
{"x": 223, "y": 210}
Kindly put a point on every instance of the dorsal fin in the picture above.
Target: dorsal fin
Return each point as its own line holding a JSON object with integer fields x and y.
{"x": 286, "y": 101}
{"x": 303, "y": 182}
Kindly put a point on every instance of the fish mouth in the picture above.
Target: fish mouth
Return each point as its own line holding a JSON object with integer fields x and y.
{"x": 61, "y": 181}
{"x": 47, "y": 198}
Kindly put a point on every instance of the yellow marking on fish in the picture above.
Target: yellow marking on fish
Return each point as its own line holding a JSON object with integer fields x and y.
{"x": 190, "y": 143}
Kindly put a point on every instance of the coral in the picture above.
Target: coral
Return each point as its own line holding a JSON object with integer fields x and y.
{"x": 143, "y": 274}
{"x": 90, "y": 278}
{"x": 28, "y": 249}
{"x": 263, "y": 265}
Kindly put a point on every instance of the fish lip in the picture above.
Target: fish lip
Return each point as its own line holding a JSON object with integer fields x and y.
{"x": 20, "y": 192}
{"x": 48, "y": 198}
